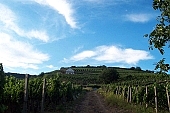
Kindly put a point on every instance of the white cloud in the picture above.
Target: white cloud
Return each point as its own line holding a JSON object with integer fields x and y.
{"x": 112, "y": 54}
{"x": 9, "y": 21}
{"x": 65, "y": 60}
{"x": 113, "y": 2}
{"x": 94, "y": 1}
{"x": 83, "y": 55}
{"x": 141, "y": 18}
{"x": 51, "y": 67}
{"x": 41, "y": 35}
{"x": 19, "y": 54}
{"x": 77, "y": 49}
{"x": 6, "y": 15}
{"x": 63, "y": 7}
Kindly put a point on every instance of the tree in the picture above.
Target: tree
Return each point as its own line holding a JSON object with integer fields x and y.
{"x": 73, "y": 66}
{"x": 138, "y": 69}
{"x": 160, "y": 36}
{"x": 2, "y": 82}
{"x": 41, "y": 74}
{"x": 2, "y": 75}
{"x": 108, "y": 75}
{"x": 88, "y": 66}
{"x": 132, "y": 68}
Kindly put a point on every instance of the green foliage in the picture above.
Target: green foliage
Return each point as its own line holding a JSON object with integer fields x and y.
{"x": 139, "y": 95}
{"x": 119, "y": 102}
{"x": 109, "y": 75}
{"x": 85, "y": 76}
{"x": 80, "y": 79}
{"x": 132, "y": 68}
{"x": 41, "y": 74}
{"x": 2, "y": 81}
{"x": 162, "y": 66}
{"x": 13, "y": 93}
{"x": 138, "y": 69}
{"x": 160, "y": 36}
{"x": 56, "y": 93}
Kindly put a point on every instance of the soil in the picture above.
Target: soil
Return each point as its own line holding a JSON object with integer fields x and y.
{"x": 93, "y": 102}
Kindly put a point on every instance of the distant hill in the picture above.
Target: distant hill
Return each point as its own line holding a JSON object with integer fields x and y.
{"x": 96, "y": 70}
{"x": 18, "y": 75}
{"x": 90, "y": 74}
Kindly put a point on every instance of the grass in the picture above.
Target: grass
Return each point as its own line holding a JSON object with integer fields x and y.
{"x": 118, "y": 102}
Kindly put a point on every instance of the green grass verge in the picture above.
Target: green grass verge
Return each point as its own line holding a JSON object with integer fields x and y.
{"x": 118, "y": 102}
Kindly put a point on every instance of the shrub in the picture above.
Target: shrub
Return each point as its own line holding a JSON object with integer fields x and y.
{"x": 108, "y": 75}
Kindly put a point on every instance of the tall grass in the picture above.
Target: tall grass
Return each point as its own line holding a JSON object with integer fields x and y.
{"x": 119, "y": 102}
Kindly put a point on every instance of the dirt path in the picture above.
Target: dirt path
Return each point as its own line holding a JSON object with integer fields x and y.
{"x": 94, "y": 103}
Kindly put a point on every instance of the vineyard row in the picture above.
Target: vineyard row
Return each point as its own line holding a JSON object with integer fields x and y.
{"x": 153, "y": 95}
{"x": 37, "y": 94}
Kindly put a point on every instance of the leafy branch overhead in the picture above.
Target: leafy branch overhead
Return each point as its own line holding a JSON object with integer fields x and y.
{"x": 162, "y": 66}
{"x": 160, "y": 36}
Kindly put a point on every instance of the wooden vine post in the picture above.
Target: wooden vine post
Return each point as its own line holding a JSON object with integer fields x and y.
{"x": 43, "y": 96}
{"x": 124, "y": 90}
{"x": 146, "y": 96}
{"x": 136, "y": 91}
{"x": 130, "y": 94}
{"x": 156, "y": 103}
{"x": 167, "y": 94}
{"x": 25, "y": 94}
{"x": 116, "y": 90}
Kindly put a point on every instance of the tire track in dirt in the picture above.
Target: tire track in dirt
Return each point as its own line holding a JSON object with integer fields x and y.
{"x": 91, "y": 104}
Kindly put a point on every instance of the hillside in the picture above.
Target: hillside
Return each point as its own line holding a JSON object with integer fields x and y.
{"x": 90, "y": 74}
{"x": 18, "y": 75}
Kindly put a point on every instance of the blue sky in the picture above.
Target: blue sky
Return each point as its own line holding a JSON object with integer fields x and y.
{"x": 44, "y": 35}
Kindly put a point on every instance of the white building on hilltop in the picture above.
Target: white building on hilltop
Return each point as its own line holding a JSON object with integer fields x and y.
{"x": 69, "y": 71}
